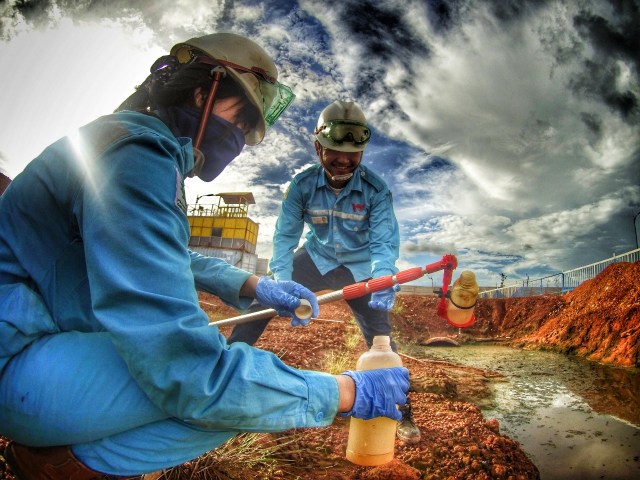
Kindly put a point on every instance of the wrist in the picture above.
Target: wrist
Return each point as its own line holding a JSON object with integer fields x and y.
{"x": 347, "y": 393}
{"x": 248, "y": 288}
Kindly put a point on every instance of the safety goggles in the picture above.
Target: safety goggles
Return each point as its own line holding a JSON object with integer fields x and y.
{"x": 274, "y": 96}
{"x": 339, "y": 131}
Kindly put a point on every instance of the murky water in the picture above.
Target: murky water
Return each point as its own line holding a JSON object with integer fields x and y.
{"x": 574, "y": 419}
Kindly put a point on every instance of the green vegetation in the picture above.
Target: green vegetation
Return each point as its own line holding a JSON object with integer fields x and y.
{"x": 258, "y": 453}
{"x": 336, "y": 362}
{"x": 398, "y": 307}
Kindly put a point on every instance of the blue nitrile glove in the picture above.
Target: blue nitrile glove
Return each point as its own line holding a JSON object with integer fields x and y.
{"x": 284, "y": 297}
{"x": 384, "y": 299}
{"x": 378, "y": 391}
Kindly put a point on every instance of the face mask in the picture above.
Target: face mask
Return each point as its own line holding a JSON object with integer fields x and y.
{"x": 221, "y": 143}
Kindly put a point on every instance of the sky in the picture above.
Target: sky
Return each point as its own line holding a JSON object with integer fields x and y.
{"x": 508, "y": 131}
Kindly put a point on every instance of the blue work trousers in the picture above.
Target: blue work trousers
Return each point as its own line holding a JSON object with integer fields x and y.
{"x": 371, "y": 322}
{"x": 59, "y": 386}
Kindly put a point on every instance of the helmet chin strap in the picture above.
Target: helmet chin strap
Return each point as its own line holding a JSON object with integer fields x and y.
{"x": 339, "y": 178}
{"x": 334, "y": 178}
{"x": 218, "y": 72}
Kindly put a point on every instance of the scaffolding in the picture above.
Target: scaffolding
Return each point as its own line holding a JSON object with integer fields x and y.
{"x": 225, "y": 230}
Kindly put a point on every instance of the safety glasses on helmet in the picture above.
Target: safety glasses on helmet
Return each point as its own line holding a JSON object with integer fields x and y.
{"x": 339, "y": 131}
{"x": 276, "y": 97}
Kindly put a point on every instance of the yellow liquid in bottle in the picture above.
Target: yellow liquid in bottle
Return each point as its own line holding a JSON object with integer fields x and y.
{"x": 372, "y": 442}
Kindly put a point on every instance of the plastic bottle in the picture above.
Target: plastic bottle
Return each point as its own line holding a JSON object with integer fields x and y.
{"x": 371, "y": 442}
{"x": 464, "y": 293}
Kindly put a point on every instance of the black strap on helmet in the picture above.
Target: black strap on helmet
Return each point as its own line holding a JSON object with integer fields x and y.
{"x": 161, "y": 71}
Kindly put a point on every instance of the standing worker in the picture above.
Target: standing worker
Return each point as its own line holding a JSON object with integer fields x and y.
{"x": 353, "y": 232}
{"x": 107, "y": 363}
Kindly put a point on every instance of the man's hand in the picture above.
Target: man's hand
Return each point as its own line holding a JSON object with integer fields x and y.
{"x": 284, "y": 297}
{"x": 384, "y": 299}
{"x": 378, "y": 391}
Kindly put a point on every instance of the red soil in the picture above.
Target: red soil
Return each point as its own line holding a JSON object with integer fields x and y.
{"x": 599, "y": 320}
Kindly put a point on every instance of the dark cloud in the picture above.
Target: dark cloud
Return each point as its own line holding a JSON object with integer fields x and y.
{"x": 431, "y": 165}
{"x": 594, "y": 126}
{"x": 444, "y": 15}
{"x": 383, "y": 32}
{"x": 617, "y": 38}
{"x": 386, "y": 41}
{"x": 614, "y": 41}
{"x": 34, "y": 12}
{"x": 42, "y": 13}
{"x": 46, "y": 13}
{"x": 514, "y": 10}
{"x": 598, "y": 81}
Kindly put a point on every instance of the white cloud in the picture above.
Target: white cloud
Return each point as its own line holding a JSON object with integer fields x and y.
{"x": 57, "y": 80}
{"x": 538, "y": 170}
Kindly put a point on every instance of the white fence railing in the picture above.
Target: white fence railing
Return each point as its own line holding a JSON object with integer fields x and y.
{"x": 560, "y": 282}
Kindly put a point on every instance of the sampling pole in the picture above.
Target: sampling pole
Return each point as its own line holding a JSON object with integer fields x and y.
{"x": 448, "y": 263}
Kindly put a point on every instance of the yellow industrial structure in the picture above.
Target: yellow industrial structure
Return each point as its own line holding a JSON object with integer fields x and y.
{"x": 225, "y": 230}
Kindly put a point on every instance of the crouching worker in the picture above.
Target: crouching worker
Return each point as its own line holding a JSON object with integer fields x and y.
{"x": 108, "y": 366}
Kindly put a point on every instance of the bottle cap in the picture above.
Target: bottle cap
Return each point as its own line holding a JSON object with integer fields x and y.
{"x": 382, "y": 340}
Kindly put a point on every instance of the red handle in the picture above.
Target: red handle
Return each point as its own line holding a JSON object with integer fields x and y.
{"x": 355, "y": 290}
{"x": 448, "y": 263}
{"x": 381, "y": 283}
{"x": 409, "y": 275}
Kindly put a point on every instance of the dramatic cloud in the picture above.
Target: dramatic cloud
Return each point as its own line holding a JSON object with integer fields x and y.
{"x": 507, "y": 130}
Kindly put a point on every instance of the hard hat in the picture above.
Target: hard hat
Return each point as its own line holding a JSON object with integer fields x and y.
{"x": 343, "y": 127}
{"x": 247, "y": 63}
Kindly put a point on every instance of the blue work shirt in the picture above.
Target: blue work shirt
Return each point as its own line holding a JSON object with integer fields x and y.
{"x": 93, "y": 238}
{"x": 357, "y": 228}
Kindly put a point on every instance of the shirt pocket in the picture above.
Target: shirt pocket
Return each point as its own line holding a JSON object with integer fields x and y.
{"x": 354, "y": 228}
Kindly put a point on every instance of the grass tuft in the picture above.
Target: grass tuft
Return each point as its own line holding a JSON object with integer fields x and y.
{"x": 336, "y": 362}
{"x": 398, "y": 307}
{"x": 258, "y": 453}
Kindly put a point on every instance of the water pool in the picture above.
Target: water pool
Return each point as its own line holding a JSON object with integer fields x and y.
{"x": 574, "y": 419}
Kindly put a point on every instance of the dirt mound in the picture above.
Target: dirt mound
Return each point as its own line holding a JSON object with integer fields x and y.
{"x": 600, "y": 319}
{"x": 514, "y": 317}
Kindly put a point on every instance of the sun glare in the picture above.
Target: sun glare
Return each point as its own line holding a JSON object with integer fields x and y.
{"x": 59, "y": 79}
{"x": 82, "y": 159}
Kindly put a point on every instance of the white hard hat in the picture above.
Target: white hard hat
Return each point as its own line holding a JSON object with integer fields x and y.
{"x": 343, "y": 127}
{"x": 249, "y": 65}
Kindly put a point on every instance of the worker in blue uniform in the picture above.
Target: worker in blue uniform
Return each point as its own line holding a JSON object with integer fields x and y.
{"x": 352, "y": 234}
{"x": 108, "y": 366}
